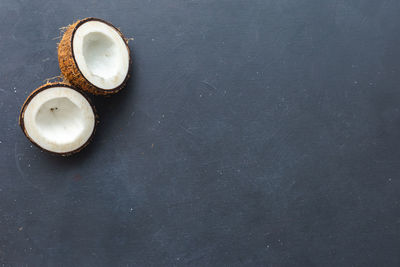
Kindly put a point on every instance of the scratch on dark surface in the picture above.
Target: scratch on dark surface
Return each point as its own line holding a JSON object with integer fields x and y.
{"x": 18, "y": 165}
{"x": 209, "y": 86}
{"x": 187, "y": 130}
{"x": 198, "y": 254}
{"x": 16, "y": 156}
{"x": 147, "y": 115}
{"x": 178, "y": 45}
{"x": 178, "y": 204}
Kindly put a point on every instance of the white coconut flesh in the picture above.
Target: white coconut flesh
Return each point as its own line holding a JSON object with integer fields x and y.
{"x": 101, "y": 54}
{"x": 59, "y": 119}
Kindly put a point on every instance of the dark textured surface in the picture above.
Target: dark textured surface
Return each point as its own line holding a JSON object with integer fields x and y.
{"x": 253, "y": 133}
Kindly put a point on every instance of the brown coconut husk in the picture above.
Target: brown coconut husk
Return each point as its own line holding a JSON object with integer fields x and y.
{"x": 69, "y": 67}
{"x": 42, "y": 88}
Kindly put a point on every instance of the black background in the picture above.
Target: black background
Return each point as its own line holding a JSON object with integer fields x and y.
{"x": 252, "y": 133}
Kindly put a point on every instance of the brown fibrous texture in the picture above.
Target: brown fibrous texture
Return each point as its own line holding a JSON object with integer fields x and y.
{"x": 42, "y": 88}
{"x": 70, "y": 69}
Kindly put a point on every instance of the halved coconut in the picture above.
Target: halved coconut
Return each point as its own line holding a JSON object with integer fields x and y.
{"x": 94, "y": 56}
{"x": 58, "y": 118}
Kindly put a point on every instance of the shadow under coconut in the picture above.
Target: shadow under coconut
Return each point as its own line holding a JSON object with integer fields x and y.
{"x": 112, "y": 110}
{"x": 74, "y": 160}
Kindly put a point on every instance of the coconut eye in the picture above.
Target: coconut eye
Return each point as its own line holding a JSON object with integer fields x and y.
{"x": 94, "y": 56}
{"x": 58, "y": 118}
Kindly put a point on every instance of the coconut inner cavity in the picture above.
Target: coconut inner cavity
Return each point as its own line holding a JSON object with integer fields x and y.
{"x": 100, "y": 54}
{"x": 59, "y": 120}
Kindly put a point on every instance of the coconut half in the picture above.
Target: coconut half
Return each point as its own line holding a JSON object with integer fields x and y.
{"x": 58, "y": 118}
{"x": 94, "y": 56}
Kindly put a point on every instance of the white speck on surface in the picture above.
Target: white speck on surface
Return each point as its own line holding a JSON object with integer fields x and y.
{"x": 1, "y": 142}
{"x": 162, "y": 116}
{"x": 152, "y": 39}
{"x": 29, "y": 165}
{"x": 355, "y": 82}
{"x": 390, "y": 179}
{"x": 200, "y": 95}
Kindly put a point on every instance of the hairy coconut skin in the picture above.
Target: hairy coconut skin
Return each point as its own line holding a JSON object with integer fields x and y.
{"x": 42, "y": 88}
{"x": 69, "y": 67}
